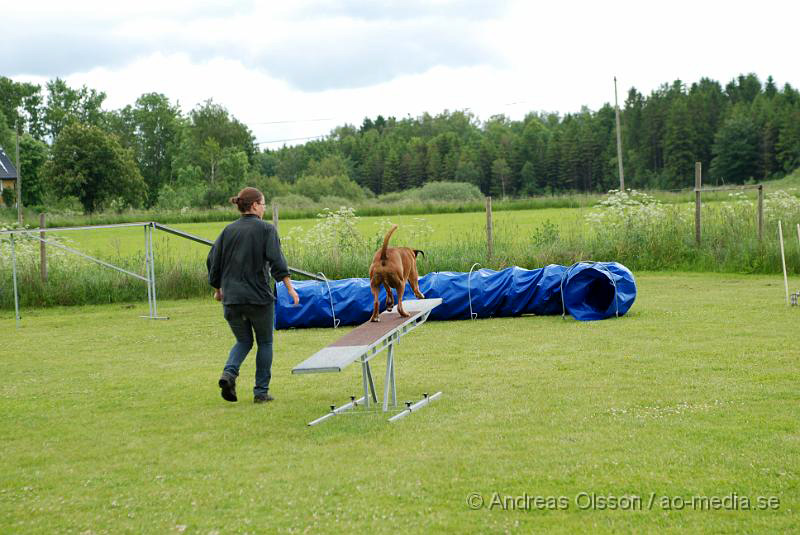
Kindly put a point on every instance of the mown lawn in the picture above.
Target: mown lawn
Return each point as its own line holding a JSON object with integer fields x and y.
{"x": 113, "y": 424}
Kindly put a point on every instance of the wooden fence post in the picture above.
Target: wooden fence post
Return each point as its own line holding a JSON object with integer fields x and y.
{"x": 760, "y": 212}
{"x": 275, "y": 215}
{"x": 698, "y": 183}
{"x": 43, "y": 248}
{"x": 489, "y": 229}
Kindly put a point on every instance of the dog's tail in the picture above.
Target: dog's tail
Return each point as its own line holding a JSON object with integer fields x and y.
{"x": 386, "y": 242}
{"x": 417, "y": 251}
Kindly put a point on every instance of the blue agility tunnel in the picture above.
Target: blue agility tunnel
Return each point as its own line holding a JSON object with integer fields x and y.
{"x": 598, "y": 290}
{"x": 591, "y": 291}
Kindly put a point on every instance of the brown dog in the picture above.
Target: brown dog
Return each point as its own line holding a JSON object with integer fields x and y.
{"x": 392, "y": 267}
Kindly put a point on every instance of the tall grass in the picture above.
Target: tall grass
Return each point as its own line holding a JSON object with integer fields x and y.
{"x": 72, "y": 280}
{"x": 364, "y": 208}
{"x": 635, "y": 230}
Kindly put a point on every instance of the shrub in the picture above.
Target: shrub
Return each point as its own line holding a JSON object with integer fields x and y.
{"x": 293, "y": 201}
{"x": 270, "y": 186}
{"x": 331, "y": 202}
{"x": 179, "y": 196}
{"x": 8, "y": 197}
{"x": 449, "y": 191}
{"x": 314, "y": 186}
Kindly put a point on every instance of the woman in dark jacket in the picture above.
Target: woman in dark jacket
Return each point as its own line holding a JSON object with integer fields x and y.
{"x": 239, "y": 265}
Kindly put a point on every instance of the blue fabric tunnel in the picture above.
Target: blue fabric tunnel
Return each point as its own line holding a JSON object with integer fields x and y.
{"x": 598, "y": 290}
{"x": 591, "y": 291}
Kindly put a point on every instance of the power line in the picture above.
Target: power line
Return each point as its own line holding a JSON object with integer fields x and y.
{"x": 300, "y": 121}
{"x": 323, "y": 119}
{"x": 290, "y": 139}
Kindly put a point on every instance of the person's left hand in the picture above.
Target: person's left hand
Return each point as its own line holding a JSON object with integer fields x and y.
{"x": 218, "y": 294}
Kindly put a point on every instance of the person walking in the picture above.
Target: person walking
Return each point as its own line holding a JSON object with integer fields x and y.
{"x": 239, "y": 264}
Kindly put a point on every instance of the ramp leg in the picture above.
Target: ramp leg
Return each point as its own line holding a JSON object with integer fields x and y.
{"x": 364, "y": 381}
{"x": 394, "y": 386}
{"x": 389, "y": 382}
{"x": 371, "y": 384}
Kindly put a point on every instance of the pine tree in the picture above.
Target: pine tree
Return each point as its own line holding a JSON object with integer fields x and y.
{"x": 736, "y": 145}
{"x": 392, "y": 173}
{"x": 679, "y": 156}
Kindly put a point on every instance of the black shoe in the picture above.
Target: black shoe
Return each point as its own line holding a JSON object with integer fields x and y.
{"x": 263, "y": 398}
{"x": 228, "y": 385}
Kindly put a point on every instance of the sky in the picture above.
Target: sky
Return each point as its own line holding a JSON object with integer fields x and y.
{"x": 296, "y": 69}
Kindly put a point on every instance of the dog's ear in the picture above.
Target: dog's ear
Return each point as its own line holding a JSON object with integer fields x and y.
{"x": 417, "y": 251}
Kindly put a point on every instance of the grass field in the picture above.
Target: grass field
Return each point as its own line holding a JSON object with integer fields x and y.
{"x": 128, "y": 241}
{"x": 114, "y": 424}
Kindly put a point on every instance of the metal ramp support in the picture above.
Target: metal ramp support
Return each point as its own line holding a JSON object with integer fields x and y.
{"x": 363, "y": 344}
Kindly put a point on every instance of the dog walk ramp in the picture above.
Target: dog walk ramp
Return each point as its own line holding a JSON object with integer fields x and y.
{"x": 362, "y": 344}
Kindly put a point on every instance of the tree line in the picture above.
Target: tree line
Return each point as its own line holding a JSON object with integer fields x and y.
{"x": 151, "y": 154}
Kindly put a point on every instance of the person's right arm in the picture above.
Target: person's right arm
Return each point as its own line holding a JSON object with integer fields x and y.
{"x": 214, "y": 266}
{"x": 287, "y": 281}
{"x": 279, "y": 268}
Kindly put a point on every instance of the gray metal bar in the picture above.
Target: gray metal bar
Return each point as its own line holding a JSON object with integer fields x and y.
{"x": 364, "y": 380}
{"x": 147, "y": 271}
{"x": 337, "y": 410}
{"x": 371, "y": 383}
{"x": 387, "y": 384}
{"x": 182, "y": 234}
{"x": 54, "y": 229}
{"x": 204, "y": 241}
{"x": 93, "y": 259}
{"x": 394, "y": 386}
{"x": 415, "y": 407}
{"x": 14, "y": 270}
{"x": 154, "y": 224}
{"x": 153, "y": 270}
{"x": 305, "y": 274}
{"x": 706, "y": 189}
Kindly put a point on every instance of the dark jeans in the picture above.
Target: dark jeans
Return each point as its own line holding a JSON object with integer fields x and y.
{"x": 244, "y": 320}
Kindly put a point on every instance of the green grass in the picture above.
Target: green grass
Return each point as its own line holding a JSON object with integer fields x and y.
{"x": 129, "y": 241}
{"x": 113, "y": 424}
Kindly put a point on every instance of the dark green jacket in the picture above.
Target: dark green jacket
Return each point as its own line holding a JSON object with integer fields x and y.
{"x": 241, "y": 260}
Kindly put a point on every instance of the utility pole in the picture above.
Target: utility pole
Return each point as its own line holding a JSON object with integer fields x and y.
{"x": 18, "y": 189}
{"x": 619, "y": 140}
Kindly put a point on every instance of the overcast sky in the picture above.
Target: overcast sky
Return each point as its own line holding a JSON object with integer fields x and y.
{"x": 294, "y": 69}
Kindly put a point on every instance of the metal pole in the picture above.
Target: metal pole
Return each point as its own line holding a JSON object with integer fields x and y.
{"x": 371, "y": 383}
{"x": 18, "y": 189}
{"x": 619, "y": 140}
{"x": 153, "y": 271}
{"x": 394, "y": 386}
{"x": 389, "y": 382}
{"x": 147, "y": 272}
{"x": 42, "y": 248}
{"x": 338, "y": 410}
{"x": 415, "y": 407}
{"x": 783, "y": 263}
{"x": 364, "y": 381}
{"x": 275, "y": 215}
{"x": 14, "y": 271}
{"x": 93, "y": 259}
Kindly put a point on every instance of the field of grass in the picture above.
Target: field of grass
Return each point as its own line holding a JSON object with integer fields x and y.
{"x": 113, "y": 424}
{"x": 443, "y": 227}
{"x": 385, "y": 208}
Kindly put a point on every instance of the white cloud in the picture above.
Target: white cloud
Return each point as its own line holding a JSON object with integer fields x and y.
{"x": 283, "y": 61}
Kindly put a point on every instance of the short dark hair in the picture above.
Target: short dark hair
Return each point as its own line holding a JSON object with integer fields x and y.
{"x": 246, "y": 199}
